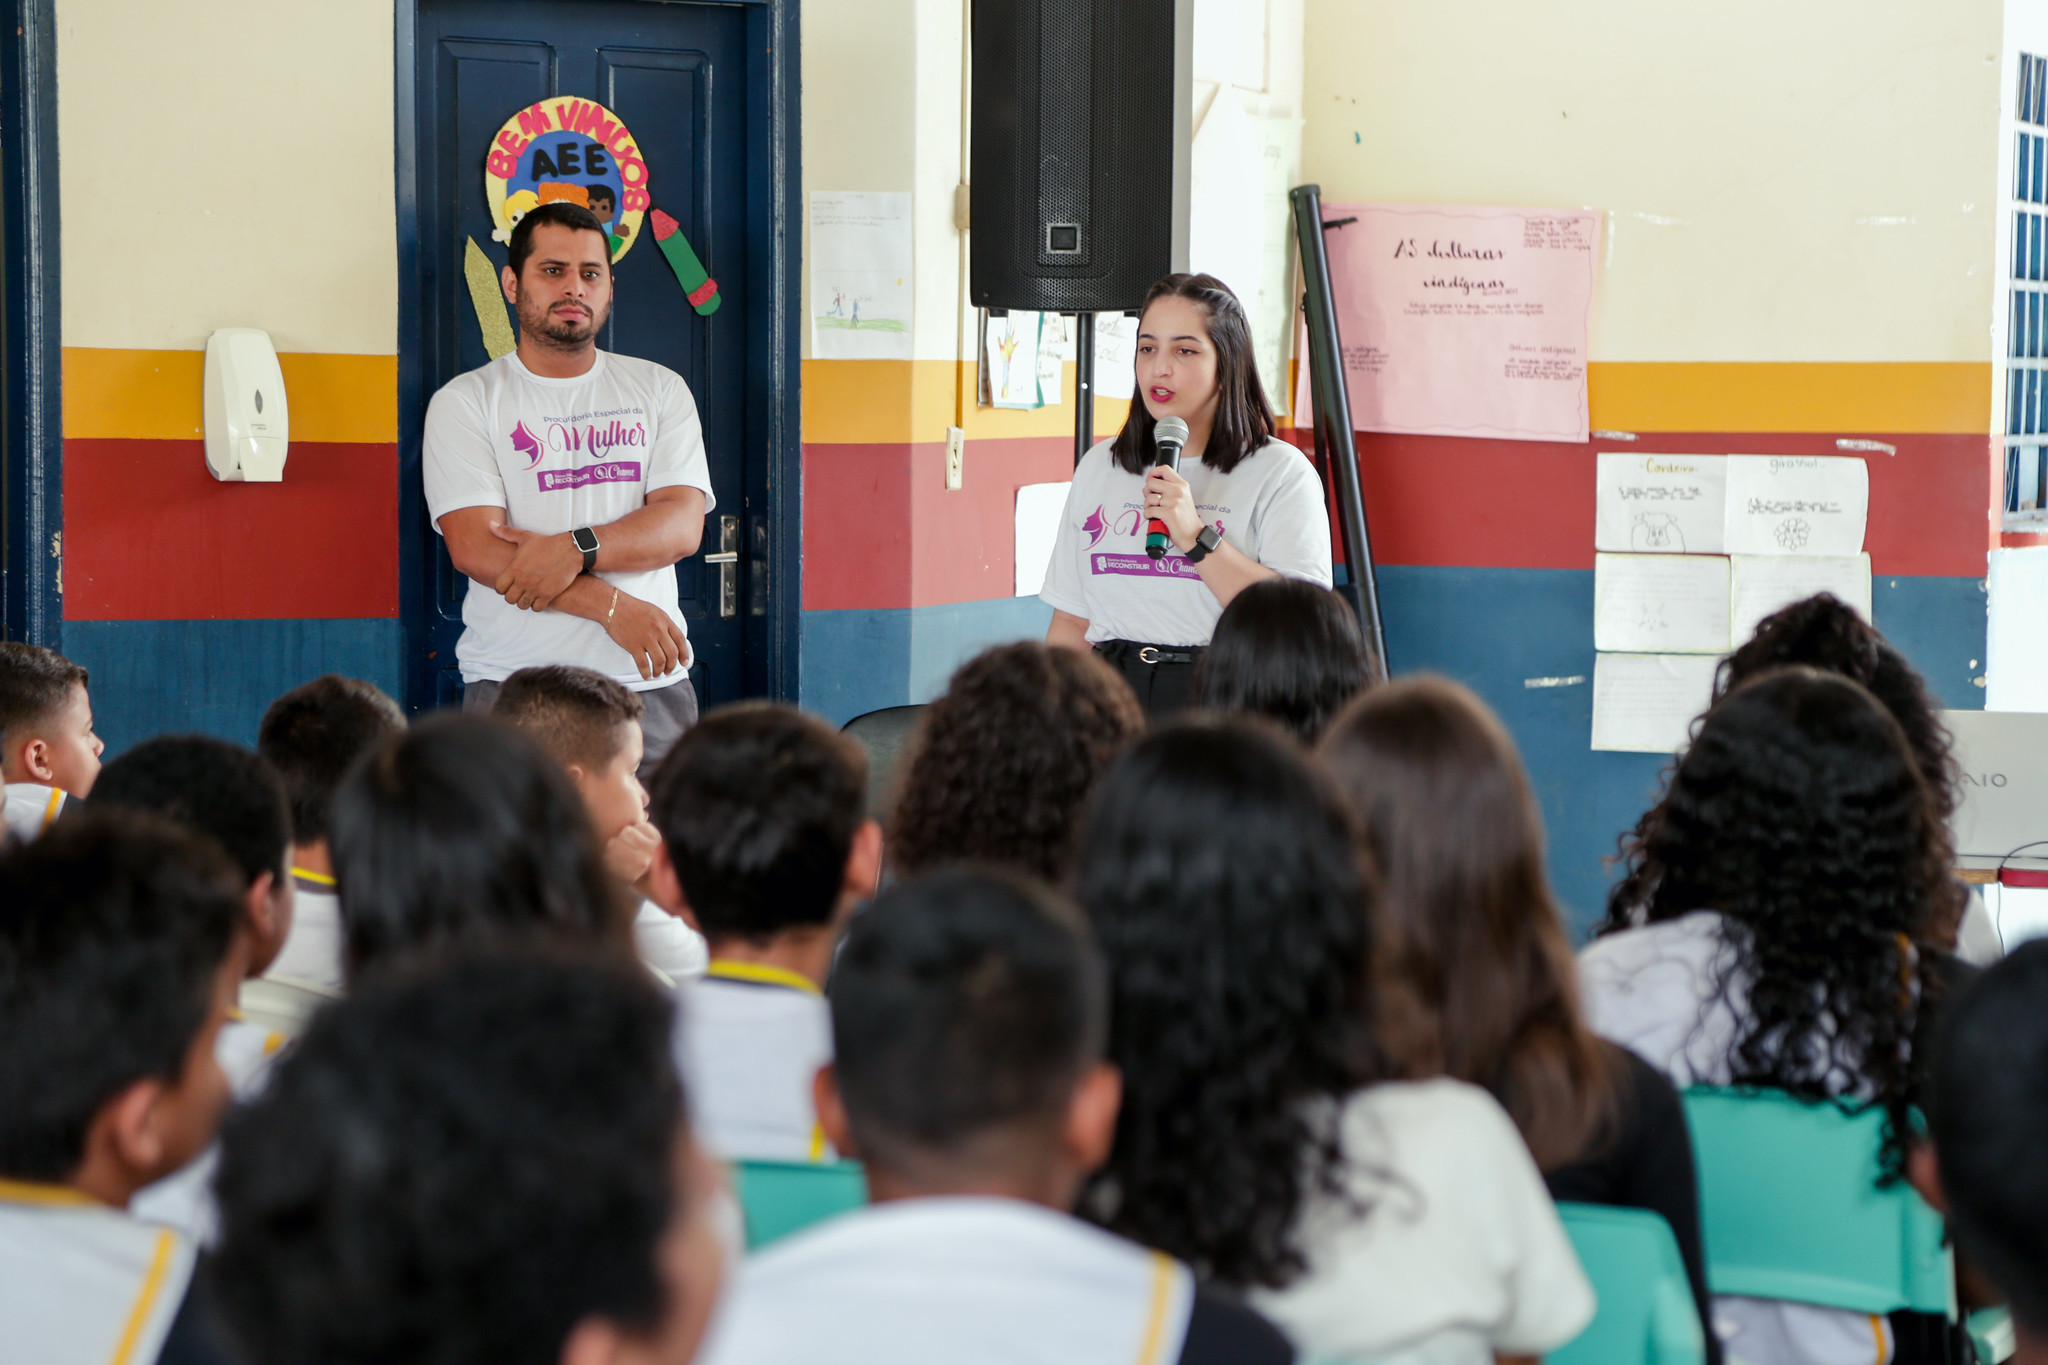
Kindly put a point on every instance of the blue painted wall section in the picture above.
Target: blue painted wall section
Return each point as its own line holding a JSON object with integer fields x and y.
{"x": 218, "y": 677}
{"x": 1496, "y": 629}
{"x": 857, "y": 661}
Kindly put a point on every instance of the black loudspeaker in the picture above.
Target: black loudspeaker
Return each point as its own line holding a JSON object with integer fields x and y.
{"x": 1078, "y": 164}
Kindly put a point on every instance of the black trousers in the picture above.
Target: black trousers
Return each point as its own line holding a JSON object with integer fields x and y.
{"x": 1163, "y": 676}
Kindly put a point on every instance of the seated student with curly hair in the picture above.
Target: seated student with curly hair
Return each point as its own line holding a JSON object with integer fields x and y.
{"x": 592, "y": 727}
{"x": 312, "y": 736}
{"x": 481, "y": 1160}
{"x": 1002, "y": 764}
{"x": 1790, "y": 879}
{"x": 1825, "y": 632}
{"x": 117, "y": 932}
{"x": 48, "y": 751}
{"x": 765, "y": 848}
{"x": 462, "y": 832}
{"x": 970, "y": 1012}
{"x": 1373, "y": 1219}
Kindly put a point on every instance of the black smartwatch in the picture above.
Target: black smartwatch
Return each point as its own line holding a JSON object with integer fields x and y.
{"x": 585, "y": 539}
{"x": 1204, "y": 545}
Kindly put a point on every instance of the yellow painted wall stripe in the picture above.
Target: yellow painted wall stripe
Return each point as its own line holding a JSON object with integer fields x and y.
{"x": 155, "y": 395}
{"x": 849, "y": 401}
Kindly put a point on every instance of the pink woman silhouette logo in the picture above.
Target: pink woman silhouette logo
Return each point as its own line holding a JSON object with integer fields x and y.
{"x": 1096, "y": 527}
{"x": 527, "y": 444}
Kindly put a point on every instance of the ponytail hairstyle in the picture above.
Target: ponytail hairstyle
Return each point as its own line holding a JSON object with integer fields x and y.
{"x": 1244, "y": 419}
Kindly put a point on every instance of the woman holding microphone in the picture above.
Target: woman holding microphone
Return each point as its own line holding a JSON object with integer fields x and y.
{"x": 1248, "y": 506}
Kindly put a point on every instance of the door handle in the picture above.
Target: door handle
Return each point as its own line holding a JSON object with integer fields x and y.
{"x": 727, "y": 559}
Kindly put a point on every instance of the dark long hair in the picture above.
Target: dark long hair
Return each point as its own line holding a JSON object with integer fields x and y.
{"x": 1473, "y": 975}
{"x": 1230, "y": 897}
{"x": 1244, "y": 419}
{"x": 463, "y": 830}
{"x": 1002, "y": 765}
{"x": 1801, "y": 815}
{"x": 1286, "y": 649}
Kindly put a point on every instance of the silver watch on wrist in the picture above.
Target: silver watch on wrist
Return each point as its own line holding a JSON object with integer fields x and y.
{"x": 1205, "y": 544}
{"x": 585, "y": 539}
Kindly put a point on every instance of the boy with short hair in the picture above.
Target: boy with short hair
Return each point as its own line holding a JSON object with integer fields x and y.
{"x": 1987, "y": 1168}
{"x": 312, "y": 736}
{"x": 480, "y": 1159}
{"x": 232, "y": 796}
{"x": 591, "y": 726}
{"x": 970, "y": 1011}
{"x": 116, "y": 970}
{"x": 766, "y": 849}
{"x": 48, "y": 751}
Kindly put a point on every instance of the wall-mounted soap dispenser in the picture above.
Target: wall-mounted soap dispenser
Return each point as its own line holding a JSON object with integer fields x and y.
{"x": 248, "y": 426}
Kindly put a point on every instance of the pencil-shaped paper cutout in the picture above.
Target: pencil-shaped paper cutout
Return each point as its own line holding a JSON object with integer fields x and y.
{"x": 489, "y": 298}
{"x": 690, "y": 272}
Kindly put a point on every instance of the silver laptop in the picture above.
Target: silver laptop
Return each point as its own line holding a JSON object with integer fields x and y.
{"x": 2003, "y": 815}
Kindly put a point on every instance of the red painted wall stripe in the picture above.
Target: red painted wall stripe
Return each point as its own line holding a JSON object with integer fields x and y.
{"x": 1436, "y": 500}
{"x": 149, "y": 535}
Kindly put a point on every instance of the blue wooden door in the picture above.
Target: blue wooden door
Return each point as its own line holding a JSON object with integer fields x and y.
{"x": 704, "y": 89}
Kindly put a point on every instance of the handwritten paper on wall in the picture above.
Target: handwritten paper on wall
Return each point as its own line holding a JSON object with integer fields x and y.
{"x": 1761, "y": 584}
{"x": 1797, "y": 504}
{"x": 1659, "y": 504}
{"x": 1660, "y": 604}
{"x": 1116, "y": 355}
{"x": 1463, "y": 321}
{"x": 1645, "y": 703}
{"x": 860, "y": 275}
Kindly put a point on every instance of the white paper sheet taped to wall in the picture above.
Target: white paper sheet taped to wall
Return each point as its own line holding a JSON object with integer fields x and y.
{"x": 1645, "y": 703}
{"x": 1039, "y": 506}
{"x": 1797, "y": 505}
{"x": 1660, "y": 504}
{"x": 1761, "y": 584}
{"x": 1660, "y": 604}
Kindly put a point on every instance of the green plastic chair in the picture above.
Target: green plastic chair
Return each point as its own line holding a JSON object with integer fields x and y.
{"x": 1790, "y": 1207}
{"x": 781, "y": 1197}
{"x": 1991, "y": 1330}
{"x": 1646, "y": 1311}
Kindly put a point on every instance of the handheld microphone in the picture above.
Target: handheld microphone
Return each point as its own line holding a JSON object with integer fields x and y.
{"x": 1170, "y": 435}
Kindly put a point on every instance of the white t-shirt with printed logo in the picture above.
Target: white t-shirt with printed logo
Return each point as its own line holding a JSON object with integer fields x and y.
{"x": 1270, "y": 507}
{"x": 557, "y": 454}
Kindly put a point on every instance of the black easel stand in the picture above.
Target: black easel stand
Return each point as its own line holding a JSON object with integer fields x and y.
{"x": 1336, "y": 450}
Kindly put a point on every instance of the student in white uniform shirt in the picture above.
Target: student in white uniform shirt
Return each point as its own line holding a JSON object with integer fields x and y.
{"x": 1244, "y": 506}
{"x": 312, "y": 736}
{"x": 481, "y": 1161}
{"x": 1790, "y": 877}
{"x": 766, "y": 850}
{"x": 1392, "y": 1222}
{"x": 592, "y": 727}
{"x": 970, "y": 1011}
{"x": 117, "y": 965}
{"x": 233, "y": 797}
{"x": 48, "y": 751}
{"x": 463, "y": 832}
{"x": 568, "y": 482}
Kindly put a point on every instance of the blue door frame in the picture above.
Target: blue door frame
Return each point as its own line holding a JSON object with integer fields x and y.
{"x": 774, "y": 227}
{"x": 31, "y": 267}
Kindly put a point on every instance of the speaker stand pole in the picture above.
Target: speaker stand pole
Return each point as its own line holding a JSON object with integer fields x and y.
{"x": 1084, "y": 385}
{"x": 1332, "y": 411}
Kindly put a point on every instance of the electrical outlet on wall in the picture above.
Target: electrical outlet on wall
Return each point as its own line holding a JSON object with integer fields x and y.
{"x": 956, "y": 456}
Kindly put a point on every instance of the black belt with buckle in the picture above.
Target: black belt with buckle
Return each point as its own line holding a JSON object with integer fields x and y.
{"x": 1149, "y": 654}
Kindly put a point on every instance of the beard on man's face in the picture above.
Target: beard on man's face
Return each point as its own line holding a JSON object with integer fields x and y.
{"x": 550, "y": 323}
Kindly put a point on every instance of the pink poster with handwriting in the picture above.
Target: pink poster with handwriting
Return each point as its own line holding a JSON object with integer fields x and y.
{"x": 1463, "y": 321}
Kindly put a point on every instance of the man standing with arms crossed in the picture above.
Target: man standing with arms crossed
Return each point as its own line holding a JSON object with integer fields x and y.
{"x": 567, "y": 483}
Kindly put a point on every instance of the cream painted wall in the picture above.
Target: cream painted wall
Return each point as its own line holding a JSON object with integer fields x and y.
{"x": 1783, "y": 182}
{"x": 213, "y": 177}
